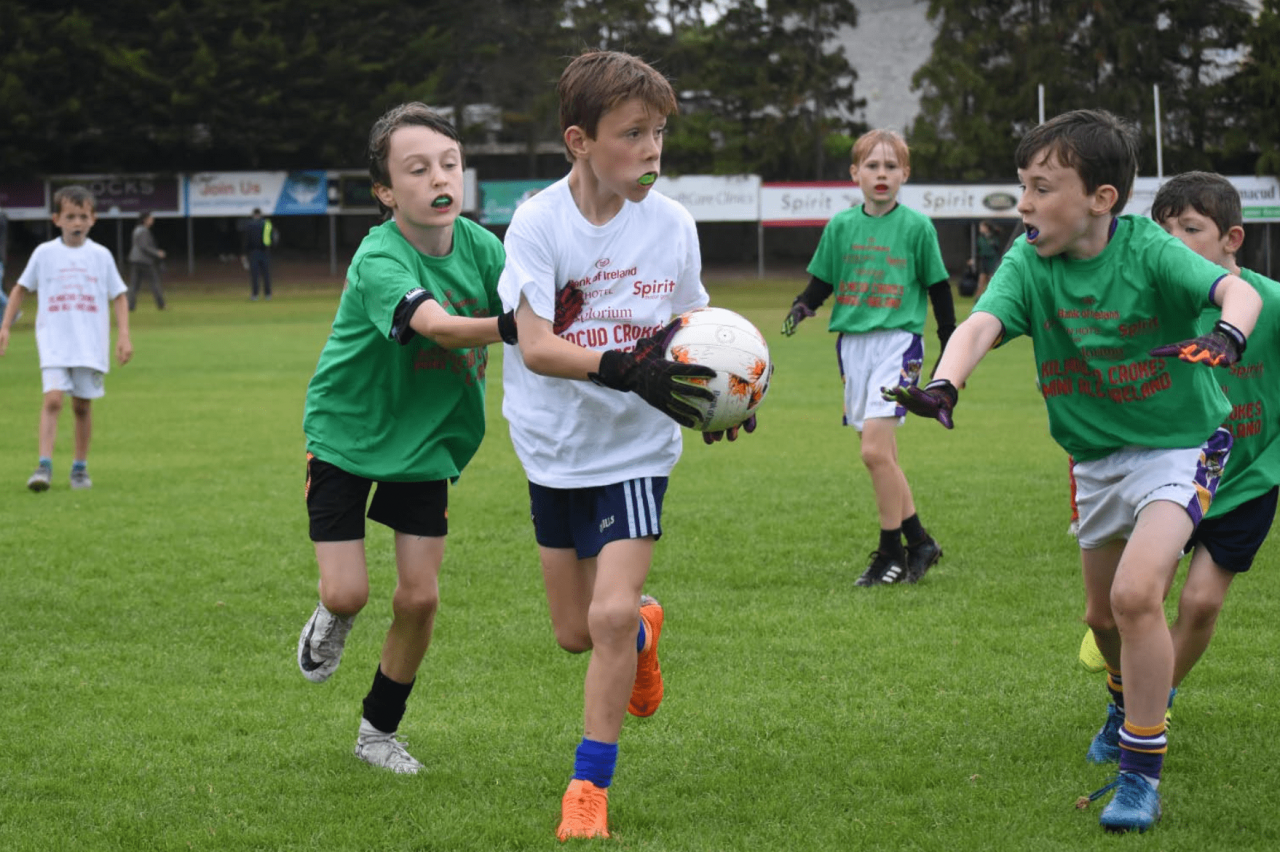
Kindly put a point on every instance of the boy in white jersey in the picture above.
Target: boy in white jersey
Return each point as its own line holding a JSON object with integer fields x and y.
{"x": 1203, "y": 210}
{"x": 76, "y": 282}
{"x": 879, "y": 259}
{"x": 1095, "y": 291}
{"x": 397, "y": 401}
{"x": 596, "y": 267}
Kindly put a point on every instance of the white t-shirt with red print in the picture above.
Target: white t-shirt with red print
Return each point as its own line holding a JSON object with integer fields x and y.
{"x": 602, "y": 287}
{"x": 75, "y": 288}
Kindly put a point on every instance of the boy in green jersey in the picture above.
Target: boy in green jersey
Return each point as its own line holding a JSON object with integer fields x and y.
{"x": 1095, "y": 292}
{"x": 879, "y": 259}
{"x": 1203, "y": 210}
{"x": 398, "y": 400}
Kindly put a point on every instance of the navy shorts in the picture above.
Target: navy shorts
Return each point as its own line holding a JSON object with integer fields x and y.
{"x": 336, "y": 504}
{"x": 587, "y": 519}
{"x": 1235, "y": 538}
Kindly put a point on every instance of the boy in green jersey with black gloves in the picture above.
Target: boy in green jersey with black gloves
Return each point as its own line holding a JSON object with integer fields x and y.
{"x": 1203, "y": 210}
{"x": 1098, "y": 293}
{"x": 398, "y": 400}
{"x": 879, "y": 259}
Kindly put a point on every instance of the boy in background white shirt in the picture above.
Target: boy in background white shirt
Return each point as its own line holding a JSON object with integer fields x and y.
{"x": 76, "y": 281}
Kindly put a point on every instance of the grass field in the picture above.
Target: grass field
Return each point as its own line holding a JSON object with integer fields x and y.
{"x": 148, "y": 631}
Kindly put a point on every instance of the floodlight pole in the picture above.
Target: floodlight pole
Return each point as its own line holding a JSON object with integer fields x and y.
{"x": 1040, "y": 97}
{"x": 1155, "y": 88}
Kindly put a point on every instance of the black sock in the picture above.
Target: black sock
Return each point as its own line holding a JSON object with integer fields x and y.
{"x": 385, "y": 703}
{"x": 914, "y": 530}
{"x": 891, "y": 544}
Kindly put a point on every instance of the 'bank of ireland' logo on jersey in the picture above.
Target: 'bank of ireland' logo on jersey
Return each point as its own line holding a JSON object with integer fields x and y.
{"x": 602, "y": 263}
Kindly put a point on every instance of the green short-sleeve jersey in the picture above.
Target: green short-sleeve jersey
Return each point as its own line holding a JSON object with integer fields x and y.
{"x": 1253, "y": 387}
{"x": 412, "y": 412}
{"x": 1092, "y": 324}
{"x": 881, "y": 268}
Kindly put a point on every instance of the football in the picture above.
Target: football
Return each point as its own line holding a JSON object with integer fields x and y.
{"x": 729, "y": 344}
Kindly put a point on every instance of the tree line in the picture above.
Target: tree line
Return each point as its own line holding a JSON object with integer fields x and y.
{"x": 194, "y": 85}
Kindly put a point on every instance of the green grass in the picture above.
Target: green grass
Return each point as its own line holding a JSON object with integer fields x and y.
{"x": 148, "y": 629}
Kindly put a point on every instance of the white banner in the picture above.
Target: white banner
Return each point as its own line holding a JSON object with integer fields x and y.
{"x": 795, "y": 204}
{"x": 1259, "y": 197}
{"x": 713, "y": 198}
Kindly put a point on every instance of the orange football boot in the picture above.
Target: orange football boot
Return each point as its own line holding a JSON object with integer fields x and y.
{"x": 584, "y": 811}
{"x": 646, "y": 693}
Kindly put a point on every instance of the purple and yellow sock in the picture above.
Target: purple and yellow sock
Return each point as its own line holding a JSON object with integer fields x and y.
{"x": 1116, "y": 687}
{"x": 1142, "y": 750}
{"x": 595, "y": 762}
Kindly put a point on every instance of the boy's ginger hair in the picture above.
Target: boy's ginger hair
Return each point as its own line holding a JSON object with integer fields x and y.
{"x": 868, "y": 141}
{"x": 1207, "y": 193}
{"x": 1099, "y": 146}
{"x": 598, "y": 80}
{"x": 75, "y": 195}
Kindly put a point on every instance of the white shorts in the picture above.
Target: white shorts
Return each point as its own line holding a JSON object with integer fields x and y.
{"x": 875, "y": 360}
{"x": 1111, "y": 491}
{"x": 80, "y": 382}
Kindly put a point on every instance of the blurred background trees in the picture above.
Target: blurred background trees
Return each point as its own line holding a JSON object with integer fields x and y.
{"x": 765, "y": 87}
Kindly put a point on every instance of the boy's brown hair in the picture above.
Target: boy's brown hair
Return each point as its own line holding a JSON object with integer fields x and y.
{"x": 414, "y": 113}
{"x": 1207, "y": 193}
{"x": 75, "y": 195}
{"x": 1101, "y": 147}
{"x": 868, "y": 141}
{"x": 598, "y": 80}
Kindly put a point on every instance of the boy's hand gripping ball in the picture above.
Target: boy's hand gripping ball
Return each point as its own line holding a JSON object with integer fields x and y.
{"x": 735, "y": 349}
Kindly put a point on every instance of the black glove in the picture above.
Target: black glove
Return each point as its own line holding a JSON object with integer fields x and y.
{"x": 507, "y": 328}
{"x": 937, "y": 400}
{"x": 1221, "y": 347}
{"x": 798, "y": 314}
{"x": 668, "y": 386}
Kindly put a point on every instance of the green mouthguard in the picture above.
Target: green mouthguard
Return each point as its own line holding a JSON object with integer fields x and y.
{"x": 646, "y": 180}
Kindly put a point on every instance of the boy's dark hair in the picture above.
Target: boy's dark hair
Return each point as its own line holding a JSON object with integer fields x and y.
{"x": 75, "y": 195}
{"x": 1100, "y": 146}
{"x": 412, "y": 114}
{"x": 598, "y": 80}
{"x": 1207, "y": 193}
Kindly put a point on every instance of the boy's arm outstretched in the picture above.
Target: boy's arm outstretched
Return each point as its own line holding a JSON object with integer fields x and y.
{"x": 1222, "y": 346}
{"x": 431, "y": 320}
{"x": 971, "y": 341}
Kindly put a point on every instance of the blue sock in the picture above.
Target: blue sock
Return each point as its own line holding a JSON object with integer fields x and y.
{"x": 79, "y": 464}
{"x": 46, "y": 462}
{"x": 640, "y": 637}
{"x": 595, "y": 762}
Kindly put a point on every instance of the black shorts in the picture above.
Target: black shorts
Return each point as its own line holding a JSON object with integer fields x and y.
{"x": 1235, "y": 538}
{"x": 336, "y": 504}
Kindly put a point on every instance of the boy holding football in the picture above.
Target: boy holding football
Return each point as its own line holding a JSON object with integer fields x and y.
{"x": 76, "y": 282}
{"x": 1096, "y": 292}
{"x": 879, "y": 259}
{"x": 592, "y": 405}
{"x": 397, "y": 399}
{"x": 1203, "y": 210}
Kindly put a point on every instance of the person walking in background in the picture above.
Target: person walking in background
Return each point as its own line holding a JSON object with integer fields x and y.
{"x": 259, "y": 237}
{"x": 988, "y": 251}
{"x": 144, "y": 259}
